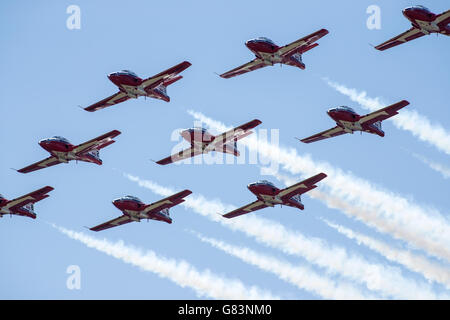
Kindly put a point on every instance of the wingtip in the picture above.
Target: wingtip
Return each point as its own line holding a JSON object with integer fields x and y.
{"x": 162, "y": 162}
{"x": 222, "y": 215}
{"x": 405, "y": 102}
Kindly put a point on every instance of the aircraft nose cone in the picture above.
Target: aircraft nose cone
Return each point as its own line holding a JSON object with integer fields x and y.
{"x": 249, "y": 43}
{"x": 112, "y": 75}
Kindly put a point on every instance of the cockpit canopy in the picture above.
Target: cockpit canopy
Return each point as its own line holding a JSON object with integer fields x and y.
{"x": 1, "y": 196}
{"x": 264, "y": 39}
{"x": 203, "y": 130}
{"x": 59, "y": 138}
{"x": 132, "y": 198}
{"x": 420, "y": 7}
{"x": 264, "y": 182}
{"x": 343, "y": 108}
{"x": 128, "y": 72}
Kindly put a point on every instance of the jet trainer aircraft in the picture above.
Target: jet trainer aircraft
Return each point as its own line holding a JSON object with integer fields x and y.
{"x": 203, "y": 142}
{"x": 62, "y": 151}
{"x": 268, "y": 195}
{"x": 348, "y": 121}
{"x": 131, "y": 86}
{"x": 134, "y": 209}
{"x": 23, "y": 206}
{"x": 268, "y": 53}
{"x": 423, "y": 23}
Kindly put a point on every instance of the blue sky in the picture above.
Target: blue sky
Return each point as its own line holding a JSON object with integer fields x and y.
{"x": 48, "y": 70}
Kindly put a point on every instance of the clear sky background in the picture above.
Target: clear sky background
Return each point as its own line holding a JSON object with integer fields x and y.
{"x": 48, "y": 70}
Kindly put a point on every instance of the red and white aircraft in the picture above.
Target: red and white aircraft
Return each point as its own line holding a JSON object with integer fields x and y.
{"x": 131, "y": 86}
{"x": 268, "y": 195}
{"x": 423, "y": 23}
{"x": 134, "y": 209}
{"x": 62, "y": 151}
{"x": 23, "y": 206}
{"x": 348, "y": 121}
{"x": 268, "y": 53}
{"x": 203, "y": 142}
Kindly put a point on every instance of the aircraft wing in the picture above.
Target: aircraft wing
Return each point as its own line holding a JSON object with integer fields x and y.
{"x": 112, "y": 223}
{"x": 247, "y": 67}
{"x": 184, "y": 154}
{"x": 303, "y": 44}
{"x": 168, "y": 202}
{"x": 97, "y": 143}
{"x": 31, "y": 197}
{"x": 409, "y": 35}
{"x": 333, "y": 132}
{"x": 384, "y": 113}
{"x": 301, "y": 187}
{"x": 48, "y": 162}
{"x": 107, "y": 102}
{"x": 233, "y": 134}
{"x": 166, "y": 76}
{"x": 256, "y": 205}
{"x": 443, "y": 19}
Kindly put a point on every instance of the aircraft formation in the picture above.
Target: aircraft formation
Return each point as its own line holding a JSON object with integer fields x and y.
{"x": 267, "y": 53}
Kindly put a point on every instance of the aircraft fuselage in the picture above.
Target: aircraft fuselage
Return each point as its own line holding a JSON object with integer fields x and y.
{"x": 128, "y": 82}
{"x": 134, "y": 208}
{"x": 63, "y": 150}
{"x": 268, "y": 193}
{"x": 349, "y": 120}
{"x": 424, "y": 19}
{"x": 267, "y": 50}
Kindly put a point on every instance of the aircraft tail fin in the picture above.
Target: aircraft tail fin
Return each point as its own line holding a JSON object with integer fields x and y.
{"x": 378, "y": 129}
{"x": 29, "y": 207}
{"x": 94, "y": 156}
{"x": 161, "y": 91}
{"x": 297, "y": 60}
{"x": 165, "y": 211}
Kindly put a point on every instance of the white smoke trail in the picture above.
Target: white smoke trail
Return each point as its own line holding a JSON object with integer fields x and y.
{"x": 385, "y": 279}
{"x": 301, "y": 276}
{"x": 431, "y": 271}
{"x": 204, "y": 283}
{"x": 408, "y": 120}
{"x": 421, "y": 226}
{"x": 440, "y": 168}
